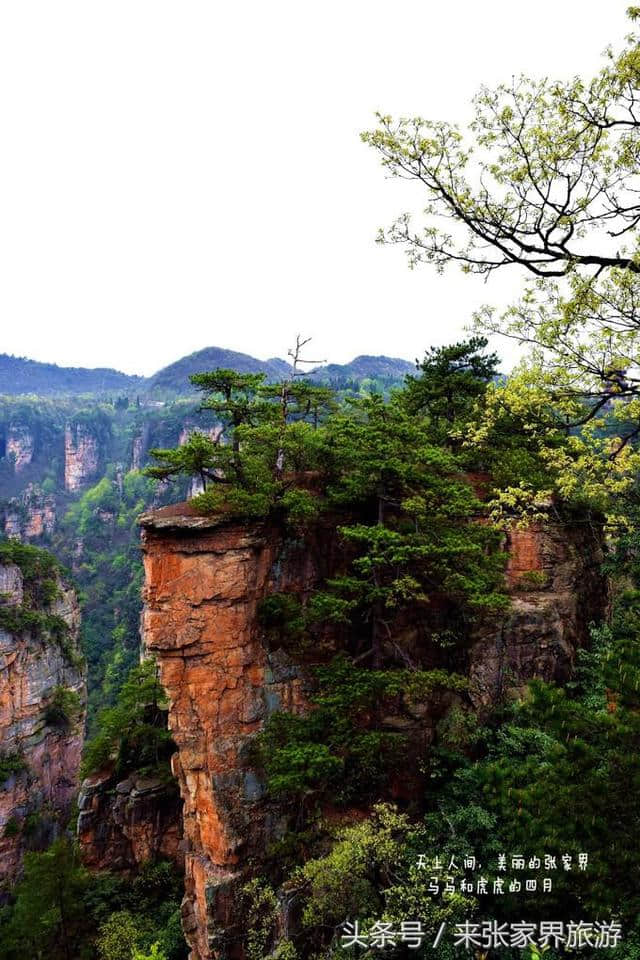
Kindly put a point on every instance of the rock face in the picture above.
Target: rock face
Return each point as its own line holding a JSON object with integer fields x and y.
{"x": 203, "y": 585}
{"x": 30, "y": 516}
{"x": 139, "y": 449}
{"x": 81, "y": 456}
{"x": 557, "y": 589}
{"x": 11, "y": 589}
{"x": 122, "y": 825}
{"x": 41, "y": 518}
{"x": 20, "y": 446}
{"x": 13, "y": 520}
{"x": 39, "y": 749}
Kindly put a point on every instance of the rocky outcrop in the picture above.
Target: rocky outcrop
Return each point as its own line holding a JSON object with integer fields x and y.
{"x": 204, "y": 581}
{"x": 13, "y": 520}
{"x": 20, "y": 446}
{"x": 81, "y": 456}
{"x": 42, "y": 708}
{"x": 557, "y": 590}
{"x": 31, "y": 516}
{"x": 41, "y": 517}
{"x": 124, "y": 824}
{"x": 140, "y": 446}
{"x": 11, "y": 585}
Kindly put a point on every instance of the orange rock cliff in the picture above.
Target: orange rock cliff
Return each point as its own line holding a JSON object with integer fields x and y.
{"x": 204, "y": 581}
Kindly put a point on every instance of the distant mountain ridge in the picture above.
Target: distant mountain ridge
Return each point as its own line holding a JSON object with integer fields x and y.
{"x": 364, "y": 367}
{"x": 19, "y": 375}
{"x": 175, "y": 377}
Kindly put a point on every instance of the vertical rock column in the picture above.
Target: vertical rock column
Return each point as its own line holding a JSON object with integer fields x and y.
{"x": 81, "y": 456}
{"x": 204, "y": 582}
{"x": 20, "y": 446}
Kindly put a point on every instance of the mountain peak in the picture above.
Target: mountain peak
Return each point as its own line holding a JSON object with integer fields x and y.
{"x": 20, "y": 375}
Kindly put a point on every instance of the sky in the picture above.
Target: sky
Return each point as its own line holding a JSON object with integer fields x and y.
{"x": 182, "y": 175}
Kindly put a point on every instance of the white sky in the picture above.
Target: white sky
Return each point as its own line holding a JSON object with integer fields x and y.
{"x": 176, "y": 175}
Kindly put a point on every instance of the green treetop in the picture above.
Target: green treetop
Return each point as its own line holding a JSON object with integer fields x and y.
{"x": 452, "y": 379}
{"x": 199, "y": 456}
{"x": 236, "y": 398}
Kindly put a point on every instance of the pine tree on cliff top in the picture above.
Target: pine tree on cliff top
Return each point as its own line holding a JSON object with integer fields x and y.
{"x": 263, "y": 435}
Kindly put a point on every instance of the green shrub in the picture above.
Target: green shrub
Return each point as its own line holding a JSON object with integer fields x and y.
{"x": 40, "y": 571}
{"x": 154, "y": 953}
{"x": 10, "y": 764}
{"x": 64, "y": 707}
{"x": 301, "y": 506}
{"x": 282, "y": 616}
{"x": 120, "y": 937}
{"x": 11, "y": 828}
{"x": 532, "y": 580}
{"x": 33, "y": 822}
{"x": 259, "y": 907}
{"x": 40, "y": 574}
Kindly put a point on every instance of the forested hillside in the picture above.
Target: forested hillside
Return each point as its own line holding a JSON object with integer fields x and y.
{"x": 71, "y": 479}
{"x": 20, "y": 375}
{"x": 175, "y": 377}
